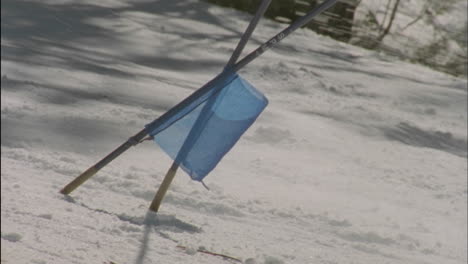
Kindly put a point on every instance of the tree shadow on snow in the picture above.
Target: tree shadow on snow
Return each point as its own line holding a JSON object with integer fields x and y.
{"x": 160, "y": 223}
{"x": 406, "y": 134}
{"x": 94, "y": 39}
{"x": 33, "y": 28}
{"x": 414, "y": 136}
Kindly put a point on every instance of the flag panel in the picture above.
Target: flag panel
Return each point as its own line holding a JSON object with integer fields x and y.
{"x": 199, "y": 140}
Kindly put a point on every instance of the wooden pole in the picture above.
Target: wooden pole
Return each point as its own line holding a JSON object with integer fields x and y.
{"x": 164, "y": 187}
{"x": 79, "y": 180}
{"x": 106, "y": 160}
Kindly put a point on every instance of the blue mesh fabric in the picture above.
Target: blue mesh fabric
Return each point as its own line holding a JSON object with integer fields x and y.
{"x": 190, "y": 103}
{"x": 198, "y": 140}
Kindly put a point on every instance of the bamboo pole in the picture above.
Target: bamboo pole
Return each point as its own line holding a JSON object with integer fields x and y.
{"x": 79, "y": 180}
{"x": 164, "y": 187}
{"x": 106, "y": 160}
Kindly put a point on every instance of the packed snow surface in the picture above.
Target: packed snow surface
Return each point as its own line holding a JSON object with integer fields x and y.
{"x": 359, "y": 157}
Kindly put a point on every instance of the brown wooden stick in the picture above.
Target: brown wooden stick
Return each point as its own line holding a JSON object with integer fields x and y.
{"x": 213, "y": 254}
{"x": 106, "y": 160}
{"x": 164, "y": 187}
{"x": 79, "y": 180}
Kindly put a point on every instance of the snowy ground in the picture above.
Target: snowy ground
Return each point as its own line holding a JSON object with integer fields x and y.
{"x": 359, "y": 157}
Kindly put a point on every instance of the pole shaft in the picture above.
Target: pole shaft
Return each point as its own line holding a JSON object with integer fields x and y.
{"x": 248, "y": 32}
{"x": 164, "y": 187}
{"x": 302, "y": 21}
{"x": 103, "y": 162}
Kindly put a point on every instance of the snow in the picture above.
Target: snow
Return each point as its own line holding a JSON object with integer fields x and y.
{"x": 359, "y": 157}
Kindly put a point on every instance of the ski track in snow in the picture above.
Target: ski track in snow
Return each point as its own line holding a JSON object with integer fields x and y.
{"x": 359, "y": 157}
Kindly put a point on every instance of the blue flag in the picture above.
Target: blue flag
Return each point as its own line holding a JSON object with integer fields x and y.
{"x": 198, "y": 138}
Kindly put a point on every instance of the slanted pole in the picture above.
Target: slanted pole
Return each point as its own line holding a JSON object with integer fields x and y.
{"x": 106, "y": 160}
{"x": 248, "y": 32}
{"x": 235, "y": 55}
{"x": 164, "y": 187}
